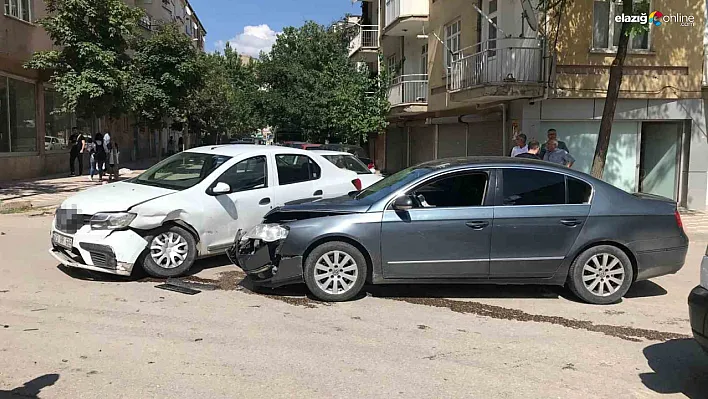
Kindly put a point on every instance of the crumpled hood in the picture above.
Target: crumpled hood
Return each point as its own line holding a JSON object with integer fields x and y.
{"x": 323, "y": 207}
{"x": 116, "y": 197}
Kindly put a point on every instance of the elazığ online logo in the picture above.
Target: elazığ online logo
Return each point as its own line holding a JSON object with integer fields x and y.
{"x": 657, "y": 18}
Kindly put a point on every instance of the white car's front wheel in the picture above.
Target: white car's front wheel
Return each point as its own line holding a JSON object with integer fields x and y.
{"x": 171, "y": 252}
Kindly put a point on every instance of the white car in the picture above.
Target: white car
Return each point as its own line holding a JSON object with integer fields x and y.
{"x": 188, "y": 206}
{"x": 345, "y": 160}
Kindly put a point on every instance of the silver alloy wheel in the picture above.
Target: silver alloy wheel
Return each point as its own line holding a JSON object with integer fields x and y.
{"x": 336, "y": 272}
{"x": 603, "y": 274}
{"x": 169, "y": 250}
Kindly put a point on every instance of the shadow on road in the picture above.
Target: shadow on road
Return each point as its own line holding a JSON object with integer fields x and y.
{"x": 463, "y": 291}
{"x": 139, "y": 274}
{"x": 31, "y": 389}
{"x": 680, "y": 366}
{"x": 645, "y": 289}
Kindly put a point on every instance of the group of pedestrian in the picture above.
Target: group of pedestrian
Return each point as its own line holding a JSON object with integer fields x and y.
{"x": 102, "y": 151}
{"x": 553, "y": 150}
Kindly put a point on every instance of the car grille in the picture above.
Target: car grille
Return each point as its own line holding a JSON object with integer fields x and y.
{"x": 70, "y": 221}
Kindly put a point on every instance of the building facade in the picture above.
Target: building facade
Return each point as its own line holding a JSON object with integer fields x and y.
{"x": 34, "y": 141}
{"x": 469, "y": 75}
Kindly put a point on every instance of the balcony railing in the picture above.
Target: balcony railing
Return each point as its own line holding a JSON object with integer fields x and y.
{"x": 502, "y": 61}
{"x": 409, "y": 89}
{"x": 705, "y": 66}
{"x": 397, "y": 8}
{"x": 366, "y": 37}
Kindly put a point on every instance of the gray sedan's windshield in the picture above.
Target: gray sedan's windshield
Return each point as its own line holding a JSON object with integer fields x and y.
{"x": 181, "y": 171}
{"x": 391, "y": 184}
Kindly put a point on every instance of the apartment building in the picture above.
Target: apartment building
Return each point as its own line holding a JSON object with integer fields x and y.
{"x": 34, "y": 141}
{"x": 469, "y": 75}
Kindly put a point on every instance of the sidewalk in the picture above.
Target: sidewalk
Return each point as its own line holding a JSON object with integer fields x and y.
{"x": 51, "y": 191}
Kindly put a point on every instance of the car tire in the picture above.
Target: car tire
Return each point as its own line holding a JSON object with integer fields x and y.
{"x": 335, "y": 271}
{"x": 601, "y": 275}
{"x": 171, "y": 252}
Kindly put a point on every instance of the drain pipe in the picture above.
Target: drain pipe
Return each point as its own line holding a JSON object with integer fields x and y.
{"x": 505, "y": 139}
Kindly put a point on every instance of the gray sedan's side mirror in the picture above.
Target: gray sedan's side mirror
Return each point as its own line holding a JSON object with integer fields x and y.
{"x": 403, "y": 203}
{"x": 221, "y": 188}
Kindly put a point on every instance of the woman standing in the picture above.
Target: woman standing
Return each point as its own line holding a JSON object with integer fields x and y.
{"x": 91, "y": 150}
{"x": 113, "y": 161}
{"x": 99, "y": 155}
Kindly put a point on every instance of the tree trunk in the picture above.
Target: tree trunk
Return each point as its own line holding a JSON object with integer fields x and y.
{"x": 613, "y": 90}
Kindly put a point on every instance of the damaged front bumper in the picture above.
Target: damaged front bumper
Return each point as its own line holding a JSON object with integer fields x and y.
{"x": 263, "y": 262}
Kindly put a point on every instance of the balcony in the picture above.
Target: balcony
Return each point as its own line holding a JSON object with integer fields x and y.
{"x": 406, "y": 17}
{"x": 410, "y": 92}
{"x": 366, "y": 39}
{"x": 512, "y": 67}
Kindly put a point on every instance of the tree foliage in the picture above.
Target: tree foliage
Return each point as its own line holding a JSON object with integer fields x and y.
{"x": 166, "y": 71}
{"x": 311, "y": 85}
{"x": 91, "y": 68}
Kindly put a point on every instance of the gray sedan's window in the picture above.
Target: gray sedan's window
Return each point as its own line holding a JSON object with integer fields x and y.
{"x": 578, "y": 191}
{"x": 533, "y": 187}
{"x": 389, "y": 185}
{"x": 454, "y": 191}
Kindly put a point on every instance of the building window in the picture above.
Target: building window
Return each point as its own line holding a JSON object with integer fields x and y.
{"x": 18, "y": 113}
{"x": 21, "y": 9}
{"x": 606, "y": 32}
{"x": 492, "y": 8}
{"x": 452, "y": 42}
{"x": 188, "y": 28}
{"x": 392, "y": 66}
{"x": 424, "y": 60}
{"x": 57, "y": 125}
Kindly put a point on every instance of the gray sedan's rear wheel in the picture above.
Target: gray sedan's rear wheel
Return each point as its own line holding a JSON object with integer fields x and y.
{"x": 601, "y": 275}
{"x": 335, "y": 271}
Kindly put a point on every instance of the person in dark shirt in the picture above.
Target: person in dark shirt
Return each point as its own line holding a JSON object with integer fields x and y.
{"x": 534, "y": 148}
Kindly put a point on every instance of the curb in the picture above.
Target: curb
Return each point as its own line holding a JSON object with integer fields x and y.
{"x": 14, "y": 205}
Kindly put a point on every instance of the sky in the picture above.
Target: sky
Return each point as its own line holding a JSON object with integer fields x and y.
{"x": 252, "y": 25}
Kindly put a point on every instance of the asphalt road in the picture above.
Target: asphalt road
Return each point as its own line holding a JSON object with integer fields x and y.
{"x": 67, "y": 334}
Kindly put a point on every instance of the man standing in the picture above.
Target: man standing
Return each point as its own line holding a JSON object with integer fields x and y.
{"x": 520, "y": 145}
{"x": 78, "y": 145}
{"x": 553, "y": 135}
{"x": 557, "y": 155}
{"x": 533, "y": 148}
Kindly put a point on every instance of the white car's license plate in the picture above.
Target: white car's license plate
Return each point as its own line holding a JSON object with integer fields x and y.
{"x": 63, "y": 241}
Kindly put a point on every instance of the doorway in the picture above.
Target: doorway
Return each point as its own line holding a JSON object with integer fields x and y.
{"x": 660, "y": 159}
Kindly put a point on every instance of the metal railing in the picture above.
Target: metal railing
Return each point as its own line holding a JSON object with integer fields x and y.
{"x": 501, "y": 61}
{"x": 705, "y": 66}
{"x": 408, "y": 89}
{"x": 366, "y": 37}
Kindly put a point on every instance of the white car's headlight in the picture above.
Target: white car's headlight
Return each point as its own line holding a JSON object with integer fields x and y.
{"x": 111, "y": 221}
{"x": 266, "y": 232}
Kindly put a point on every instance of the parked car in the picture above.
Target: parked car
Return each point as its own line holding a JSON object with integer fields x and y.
{"x": 247, "y": 140}
{"x": 698, "y": 306}
{"x": 354, "y": 150}
{"x": 53, "y": 143}
{"x": 470, "y": 220}
{"x": 301, "y": 145}
{"x": 345, "y": 160}
{"x": 187, "y": 206}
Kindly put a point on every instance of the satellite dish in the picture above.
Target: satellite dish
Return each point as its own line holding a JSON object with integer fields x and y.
{"x": 530, "y": 14}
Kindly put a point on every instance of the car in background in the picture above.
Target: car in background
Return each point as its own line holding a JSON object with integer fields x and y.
{"x": 190, "y": 205}
{"x": 345, "y": 160}
{"x": 470, "y": 220}
{"x": 698, "y": 306}
{"x": 354, "y": 150}
{"x": 247, "y": 140}
{"x": 52, "y": 143}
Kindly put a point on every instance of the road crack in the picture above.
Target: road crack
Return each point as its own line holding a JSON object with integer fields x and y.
{"x": 502, "y": 313}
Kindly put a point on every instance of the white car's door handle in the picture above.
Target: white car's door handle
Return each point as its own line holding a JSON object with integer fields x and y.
{"x": 264, "y": 201}
{"x": 318, "y": 192}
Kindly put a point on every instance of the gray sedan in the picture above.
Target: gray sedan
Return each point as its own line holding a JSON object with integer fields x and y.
{"x": 470, "y": 220}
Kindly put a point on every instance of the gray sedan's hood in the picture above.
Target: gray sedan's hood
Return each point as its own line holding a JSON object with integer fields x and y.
{"x": 324, "y": 207}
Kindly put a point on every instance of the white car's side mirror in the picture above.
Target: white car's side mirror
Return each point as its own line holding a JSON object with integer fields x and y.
{"x": 221, "y": 188}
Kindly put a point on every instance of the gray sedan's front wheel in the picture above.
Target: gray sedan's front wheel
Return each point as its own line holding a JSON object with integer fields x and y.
{"x": 335, "y": 271}
{"x": 601, "y": 275}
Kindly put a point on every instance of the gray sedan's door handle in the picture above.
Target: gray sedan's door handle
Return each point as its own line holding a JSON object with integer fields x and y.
{"x": 477, "y": 225}
{"x": 571, "y": 222}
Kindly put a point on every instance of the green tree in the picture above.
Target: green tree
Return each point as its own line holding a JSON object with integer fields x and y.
{"x": 208, "y": 111}
{"x": 311, "y": 85}
{"x": 246, "y": 94}
{"x": 166, "y": 72}
{"x": 91, "y": 68}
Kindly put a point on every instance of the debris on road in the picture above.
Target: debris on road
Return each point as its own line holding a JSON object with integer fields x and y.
{"x": 38, "y": 310}
{"x": 181, "y": 290}
{"x": 31, "y": 329}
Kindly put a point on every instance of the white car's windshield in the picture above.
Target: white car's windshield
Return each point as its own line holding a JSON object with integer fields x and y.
{"x": 181, "y": 171}
{"x": 348, "y": 162}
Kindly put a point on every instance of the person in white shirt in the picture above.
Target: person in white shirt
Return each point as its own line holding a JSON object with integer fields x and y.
{"x": 521, "y": 147}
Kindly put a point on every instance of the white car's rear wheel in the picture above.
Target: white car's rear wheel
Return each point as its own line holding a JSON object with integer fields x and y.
{"x": 171, "y": 252}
